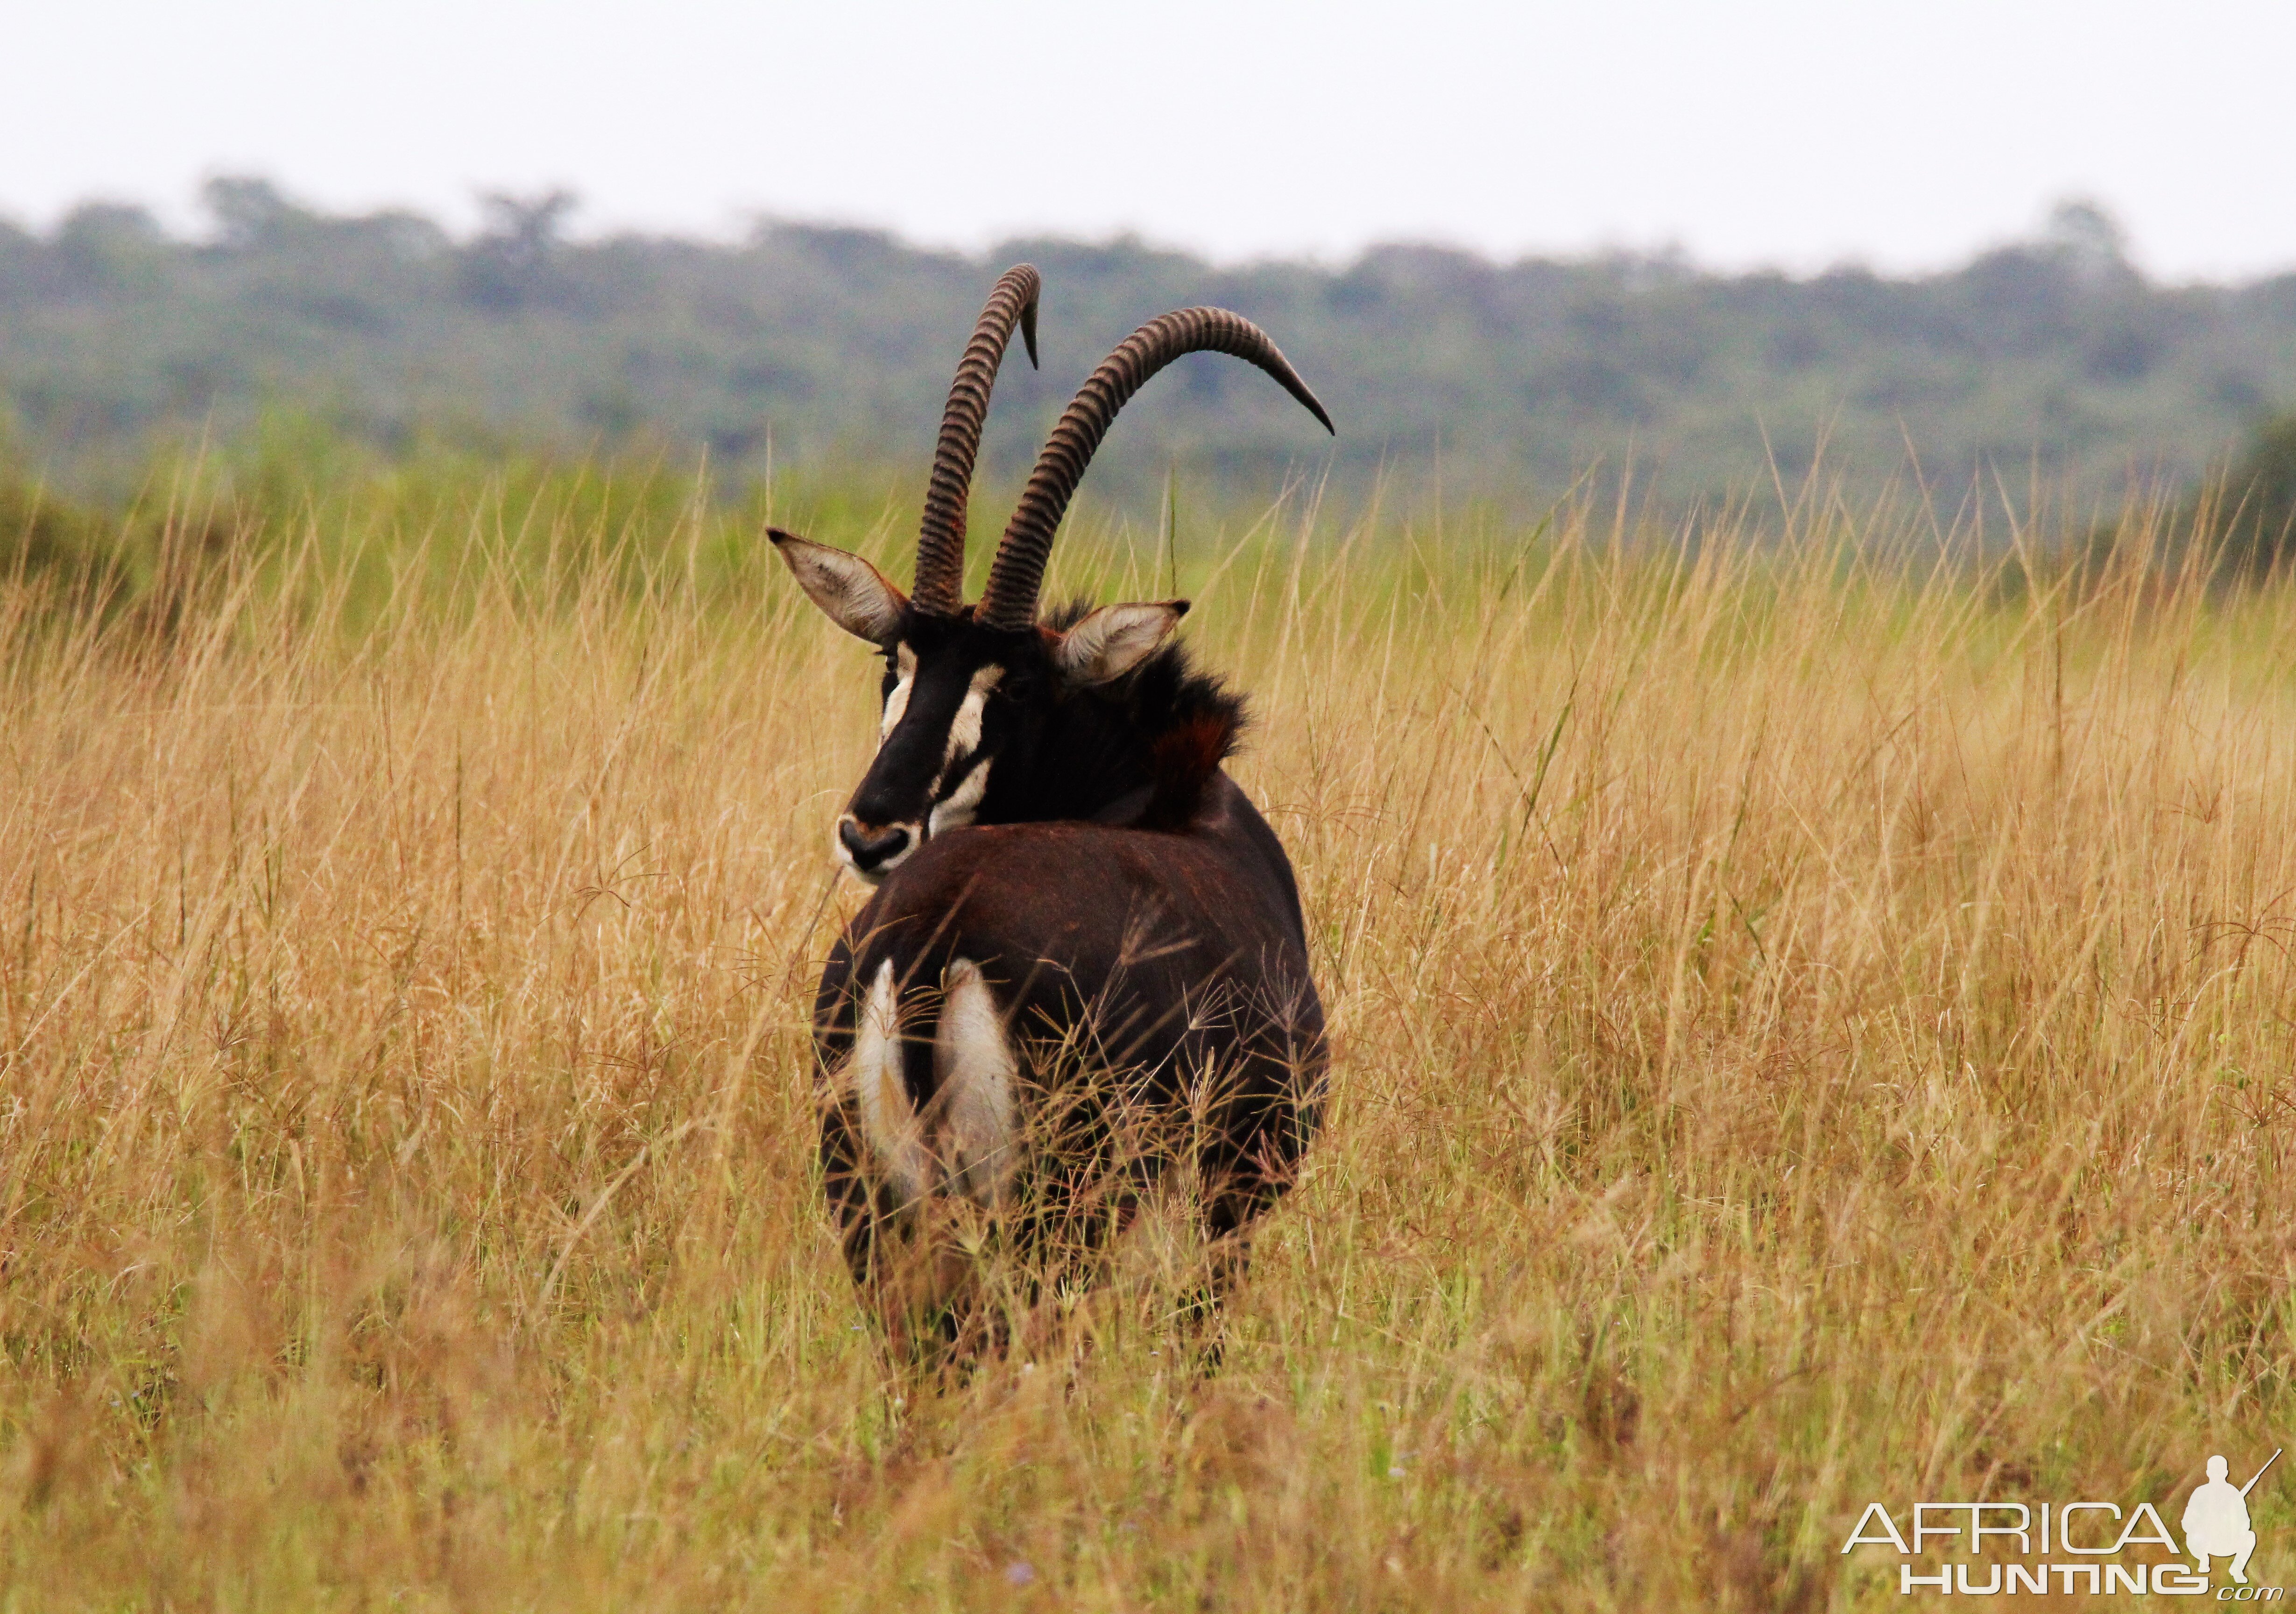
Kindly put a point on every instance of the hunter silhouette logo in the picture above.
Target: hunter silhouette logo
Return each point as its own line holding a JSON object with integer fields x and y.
{"x": 1989, "y": 1548}
{"x": 2215, "y": 1519}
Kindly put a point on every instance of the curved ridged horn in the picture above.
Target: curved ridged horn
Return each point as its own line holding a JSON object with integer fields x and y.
{"x": 939, "y": 588}
{"x": 1013, "y": 578}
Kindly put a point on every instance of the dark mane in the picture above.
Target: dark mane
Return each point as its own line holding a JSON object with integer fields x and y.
{"x": 1191, "y": 722}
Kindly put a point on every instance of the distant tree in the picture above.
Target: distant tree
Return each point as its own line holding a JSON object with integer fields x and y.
{"x": 2260, "y": 498}
{"x": 2090, "y": 238}
{"x": 512, "y": 265}
{"x": 103, "y": 246}
{"x": 524, "y": 229}
{"x": 248, "y": 213}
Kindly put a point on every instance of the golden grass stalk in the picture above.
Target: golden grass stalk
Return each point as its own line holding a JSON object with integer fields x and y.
{"x": 1813, "y": 1026}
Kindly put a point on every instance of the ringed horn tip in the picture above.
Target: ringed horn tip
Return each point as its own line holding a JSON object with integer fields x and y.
{"x": 1018, "y": 571}
{"x": 940, "y": 586}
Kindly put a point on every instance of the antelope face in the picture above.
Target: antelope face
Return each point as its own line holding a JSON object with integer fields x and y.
{"x": 960, "y": 701}
{"x": 946, "y": 719}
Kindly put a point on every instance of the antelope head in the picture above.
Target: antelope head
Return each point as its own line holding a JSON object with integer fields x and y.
{"x": 991, "y": 715}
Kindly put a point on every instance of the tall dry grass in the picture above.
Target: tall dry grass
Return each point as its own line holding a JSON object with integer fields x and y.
{"x": 1813, "y": 1026}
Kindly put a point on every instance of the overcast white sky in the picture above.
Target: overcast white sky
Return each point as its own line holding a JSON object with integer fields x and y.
{"x": 1794, "y": 133}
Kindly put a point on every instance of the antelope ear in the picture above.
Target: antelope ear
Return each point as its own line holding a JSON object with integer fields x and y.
{"x": 854, "y": 594}
{"x": 1113, "y": 640}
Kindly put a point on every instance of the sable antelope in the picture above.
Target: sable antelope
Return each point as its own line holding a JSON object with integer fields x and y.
{"x": 1083, "y": 933}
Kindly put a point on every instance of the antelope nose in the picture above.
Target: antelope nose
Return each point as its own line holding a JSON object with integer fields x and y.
{"x": 870, "y": 848}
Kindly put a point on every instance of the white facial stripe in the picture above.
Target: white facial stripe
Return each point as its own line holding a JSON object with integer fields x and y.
{"x": 905, "y": 660}
{"x": 895, "y": 704}
{"x": 964, "y": 738}
{"x": 957, "y": 811}
{"x": 965, "y": 733}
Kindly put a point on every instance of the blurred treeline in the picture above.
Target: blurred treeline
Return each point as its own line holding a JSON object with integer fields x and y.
{"x": 2050, "y": 363}
{"x": 296, "y": 508}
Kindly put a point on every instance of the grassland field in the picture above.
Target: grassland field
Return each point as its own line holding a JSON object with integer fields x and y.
{"x": 1813, "y": 1018}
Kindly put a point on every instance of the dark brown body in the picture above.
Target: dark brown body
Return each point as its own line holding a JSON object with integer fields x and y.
{"x": 1154, "y": 986}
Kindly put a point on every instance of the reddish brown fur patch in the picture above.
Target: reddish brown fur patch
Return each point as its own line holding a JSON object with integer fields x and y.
{"x": 1184, "y": 759}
